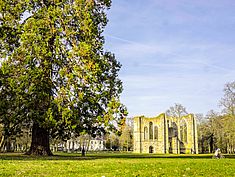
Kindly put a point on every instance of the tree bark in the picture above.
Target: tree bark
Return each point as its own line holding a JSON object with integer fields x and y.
{"x": 2, "y": 143}
{"x": 211, "y": 143}
{"x": 83, "y": 152}
{"x": 40, "y": 142}
{"x": 8, "y": 145}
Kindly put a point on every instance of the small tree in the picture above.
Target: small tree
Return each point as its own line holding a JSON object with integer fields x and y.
{"x": 126, "y": 138}
{"x": 126, "y": 134}
{"x": 176, "y": 111}
{"x": 228, "y": 100}
{"x": 112, "y": 141}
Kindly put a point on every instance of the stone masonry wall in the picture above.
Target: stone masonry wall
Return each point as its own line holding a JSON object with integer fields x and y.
{"x": 167, "y": 139}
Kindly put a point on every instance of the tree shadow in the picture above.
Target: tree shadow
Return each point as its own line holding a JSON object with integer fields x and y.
{"x": 93, "y": 156}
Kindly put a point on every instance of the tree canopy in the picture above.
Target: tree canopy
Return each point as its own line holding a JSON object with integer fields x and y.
{"x": 228, "y": 100}
{"x": 217, "y": 129}
{"x": 56, "y": 76}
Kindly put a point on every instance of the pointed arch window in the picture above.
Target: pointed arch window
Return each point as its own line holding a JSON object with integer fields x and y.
{"x": 183, "y": 131}
{"x": 155, "y": 132}
{"x": 150, "y": 130}
{"x": 145, "y": 133}
{"x": 175, "y": 129}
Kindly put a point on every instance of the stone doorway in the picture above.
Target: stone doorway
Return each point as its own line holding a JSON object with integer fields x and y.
{"x": 170, "y": 146}
{"x": 150, "y": 149}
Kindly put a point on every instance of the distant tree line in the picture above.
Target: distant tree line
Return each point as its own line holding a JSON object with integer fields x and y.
{"x": 217, "y": 129}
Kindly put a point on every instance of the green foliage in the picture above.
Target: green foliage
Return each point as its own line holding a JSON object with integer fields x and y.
{"x": 112, "y": 141}
{"x": 217, "y": 131}
{"x": 11, "y": 114}
{"x": 55, "y": 71}
{"x": 126, "y": 138}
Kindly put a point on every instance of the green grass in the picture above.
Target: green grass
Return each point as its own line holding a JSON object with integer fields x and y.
{"x": 116, "y": 164}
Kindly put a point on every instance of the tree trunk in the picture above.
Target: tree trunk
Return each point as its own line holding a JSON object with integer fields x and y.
{"x": 40, "y": 142}
{"x": 211, "y": 143}
{"x": 83, "y": 152}
{"x": 2, "y": 143}
{"x": 8, "y": 145}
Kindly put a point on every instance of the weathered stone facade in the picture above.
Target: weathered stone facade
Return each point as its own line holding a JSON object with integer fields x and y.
{"x": 163, "y": 134}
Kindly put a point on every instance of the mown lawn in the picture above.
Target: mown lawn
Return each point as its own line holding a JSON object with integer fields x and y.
{"x": 108, "y": 165}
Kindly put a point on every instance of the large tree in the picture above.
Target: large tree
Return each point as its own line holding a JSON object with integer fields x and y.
{"x": 61, "y": 77}
{"x": 227, "y": 102}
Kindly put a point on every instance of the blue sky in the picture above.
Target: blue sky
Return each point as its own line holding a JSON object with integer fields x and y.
{"x": 172, "y": 51}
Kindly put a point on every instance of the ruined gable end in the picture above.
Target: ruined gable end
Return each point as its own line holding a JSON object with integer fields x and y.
{"x": 163, "y": 134}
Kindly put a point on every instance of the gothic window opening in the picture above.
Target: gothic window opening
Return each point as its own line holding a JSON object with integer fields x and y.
{"x": 145, "y": 133}
{"x": 150, "y": 130}
{"x": 150, "y": 149}
{"x": 175, "y": 130}
{"x": 183, "y": 131}
{"x": 155, "y": 132}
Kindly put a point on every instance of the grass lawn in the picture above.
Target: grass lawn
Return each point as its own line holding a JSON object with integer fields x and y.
{"x": 116, "y": 164}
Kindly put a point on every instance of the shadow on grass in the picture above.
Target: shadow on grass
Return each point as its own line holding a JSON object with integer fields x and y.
{"x": 93, "y": 156}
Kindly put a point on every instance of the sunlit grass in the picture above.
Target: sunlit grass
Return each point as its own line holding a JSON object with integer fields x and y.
{"x": 115, "y": 164}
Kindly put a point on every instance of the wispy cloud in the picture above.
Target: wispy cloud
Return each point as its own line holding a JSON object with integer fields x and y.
{"x": 198, "y": 55}
{"x": 173, "y": 51}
